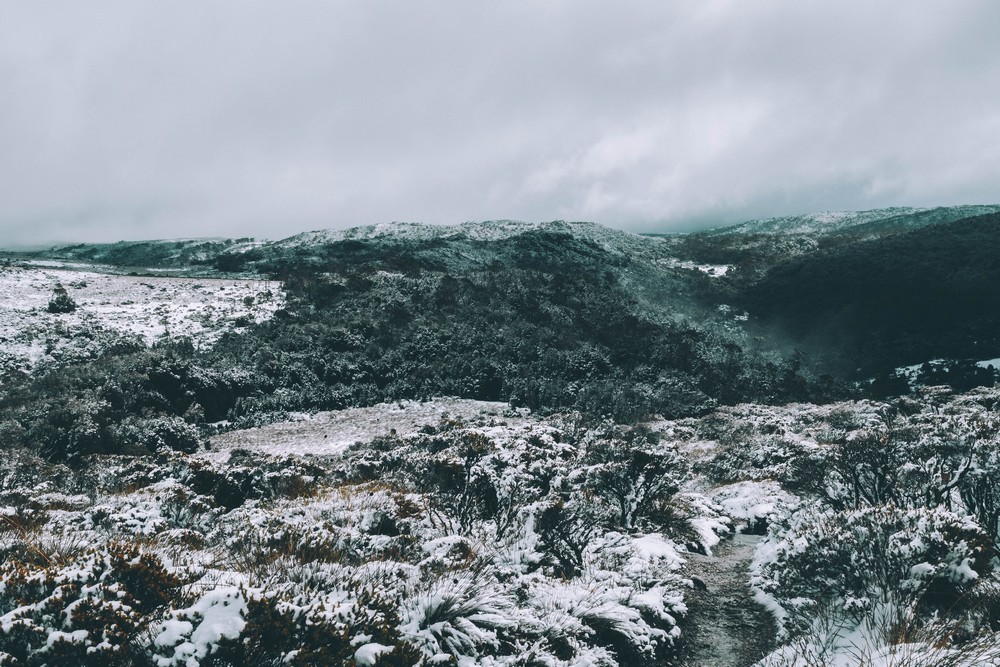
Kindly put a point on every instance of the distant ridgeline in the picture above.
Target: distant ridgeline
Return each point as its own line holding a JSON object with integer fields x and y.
{"x": 174, "y": 253}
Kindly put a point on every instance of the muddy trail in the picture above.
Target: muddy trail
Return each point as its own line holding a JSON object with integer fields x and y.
{"x": 724, "y": 626}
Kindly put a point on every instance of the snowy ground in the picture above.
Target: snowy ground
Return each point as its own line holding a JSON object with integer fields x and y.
{"x": 329, "y": 433}
{"x": 239, "y": 527}
{"x": 148, "y": 307}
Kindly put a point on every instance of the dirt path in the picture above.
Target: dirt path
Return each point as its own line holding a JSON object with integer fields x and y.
{"x": 724, "y": 626}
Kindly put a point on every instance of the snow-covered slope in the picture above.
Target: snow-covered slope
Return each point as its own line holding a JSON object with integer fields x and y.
{"x": 832, "y": 222}
{"x": 108, "y": 306}
{"x": 493, "y": 230}
{"x": 329, "y": 433}
{"x": 164, "y": 253}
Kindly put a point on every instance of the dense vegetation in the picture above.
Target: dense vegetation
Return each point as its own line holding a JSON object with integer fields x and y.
{"x": 543, "y": 321}
{"x": 903, "y": 299}
{"x": 559, "y": 337}
{"x": 511, "y": 539}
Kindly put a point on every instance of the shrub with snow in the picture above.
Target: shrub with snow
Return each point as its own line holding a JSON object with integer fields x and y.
{"x": 860, "y": 558}
{"x": 61, "y": 301}
{"x": 92, "y": 610}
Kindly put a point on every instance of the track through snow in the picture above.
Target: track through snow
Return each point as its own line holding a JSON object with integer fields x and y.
{"x": 724, "y": 626}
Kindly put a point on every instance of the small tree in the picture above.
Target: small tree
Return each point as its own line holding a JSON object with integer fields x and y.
{"x": 61, "y": 301}
{"x": 633, "y": 476}
{"x": 866, "y": 469}
{"x": 565, "y": 529}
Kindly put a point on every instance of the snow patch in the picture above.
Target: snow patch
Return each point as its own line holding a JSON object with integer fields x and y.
{"x": 148, "y": 308}
{"x": 194, "y": 632}
{"x": 330, "y": 433}
{"x": 368, "y": 654}
{"x": 712, "y": 270}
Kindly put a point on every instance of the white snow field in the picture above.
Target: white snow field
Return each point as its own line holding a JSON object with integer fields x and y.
{"x": 110, "y": 306}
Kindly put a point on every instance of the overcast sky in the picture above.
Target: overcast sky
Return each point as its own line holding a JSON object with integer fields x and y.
{"x": 131, "y": 120}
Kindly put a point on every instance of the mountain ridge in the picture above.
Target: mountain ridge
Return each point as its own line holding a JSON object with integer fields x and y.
{"x": 181, "y": 251}
{"x": 835, "y": 222}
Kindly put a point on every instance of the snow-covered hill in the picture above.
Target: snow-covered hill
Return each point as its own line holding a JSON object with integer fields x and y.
{"x": 833, "y": 222}
{"x": 176, "y": 254}
{"x": 612, "y": 240}
{"x": 616, "y": 485}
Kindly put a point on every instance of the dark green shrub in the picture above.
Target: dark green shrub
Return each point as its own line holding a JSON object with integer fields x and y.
{"x": 61, "y": 301}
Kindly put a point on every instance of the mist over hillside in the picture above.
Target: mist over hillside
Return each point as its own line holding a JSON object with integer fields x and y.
{"x": 892, "y": 301}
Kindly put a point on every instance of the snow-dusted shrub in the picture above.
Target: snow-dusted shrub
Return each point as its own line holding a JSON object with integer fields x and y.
{"x": 604, "y": 614}
{"x": 565, "y": 530}
{"x": 623, "y": 608}
{"x": 191, "y": 635}
{"x": 320, "y": 614}
{"x": 25, "y": 472}
{"x": 963, "y": 454}
{"x": 124, "y": 474}
{"x": 922, "y": 460}
{"x": 861, "y": 557}
{"x": 184, "y": 509}
{"x": 696, "y": 521}
{"x": 866, "y": 468}
{"x": 892, "y": 633}
{"x": 793, "y": 461}
{"x": 468, "y": 615}
{"x": 350, "y": 526}
{"x": 61, "y": 301}
{"x": 249, "y": 476}
{"x": 626, "y": 615}
{"x": 463, "y": 488}
{"x": 70, "y": 428}
{"x": 755, "y": 504}
{"x": 279, "y": 632}
{"x": 354, "y": 524}
{"x": 635, "y": 479}
{"x": 159, "y": 434}
{"x": 471, "y": 482}
{"x": 980, "y": 490}
{"x": 93, "y": 610}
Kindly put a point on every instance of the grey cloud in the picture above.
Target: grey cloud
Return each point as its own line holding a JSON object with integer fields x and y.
{"x": 140, "y": 120}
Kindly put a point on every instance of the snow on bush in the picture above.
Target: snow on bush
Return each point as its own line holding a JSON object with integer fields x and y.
{"x": 860, "y": 558}
{"x": 443, "y": 546}
{"x": 755, "y": 505}
{"x": 480, "y": 540}
{"x": 891, "y": 634}
{"x": 91, "y": 610}
{"x": 192, "y": 634}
